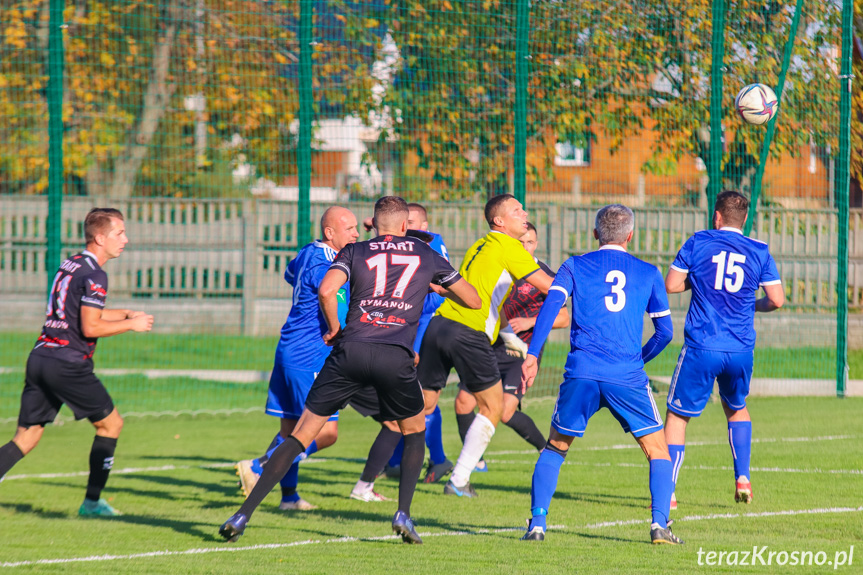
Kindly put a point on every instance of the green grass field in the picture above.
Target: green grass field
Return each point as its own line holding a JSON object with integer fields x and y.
{"x": 256, "y": 353}
{"x": 137, "y": 393}
{"x": 174, "y": 481}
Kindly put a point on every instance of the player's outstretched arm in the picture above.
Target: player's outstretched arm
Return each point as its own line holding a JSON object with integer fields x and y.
{"x": 774, "y": 299}
{"x": 328, "y": 291}
{"x": 676, "y": 281}
{"x": 94, "y": 322}
{"x": 462, "y": 293}
{"x": 540, "y": 280}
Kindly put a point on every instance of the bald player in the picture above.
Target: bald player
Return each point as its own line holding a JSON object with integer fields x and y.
{"x": 301, "y": 352}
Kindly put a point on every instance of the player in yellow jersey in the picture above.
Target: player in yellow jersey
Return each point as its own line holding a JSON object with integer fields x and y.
{"x": 461, "y": 338}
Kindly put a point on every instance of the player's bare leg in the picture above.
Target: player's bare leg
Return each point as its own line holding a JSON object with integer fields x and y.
{"x": 27, "y": 438}
{"x": 413, "y": 429}
{"x": 306, "y": 430}
{"x": 477, "y": 438}
{"x": 430, "y": 396}
{"x": 740, "y": 440}
{"x": 661, "y": 486}
{"x": 24, "y": 441}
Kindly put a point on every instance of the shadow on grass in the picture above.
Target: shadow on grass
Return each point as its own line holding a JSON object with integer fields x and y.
{"x": 205, "y": 531}
{"x": 29, "y": 509}
{"x": 189, "y": 458}
{"x": 645, "y": 541}
{"x": 381, "y": 520}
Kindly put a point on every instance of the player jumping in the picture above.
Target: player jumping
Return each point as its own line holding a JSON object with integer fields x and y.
{"x": 724, "y": 269}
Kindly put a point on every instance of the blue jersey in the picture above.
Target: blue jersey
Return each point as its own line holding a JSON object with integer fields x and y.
{"x": 301, "y": 344}
{"x": 611, "y": 290}
{"x": 432, "y": 300}
{"x": 725, "y": 270}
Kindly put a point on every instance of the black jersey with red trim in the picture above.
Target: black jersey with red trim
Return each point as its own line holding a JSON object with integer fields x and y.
{"x": 389, "y": 279}
{"x": 525, "y": 301}
{"x": 80, "y": 281}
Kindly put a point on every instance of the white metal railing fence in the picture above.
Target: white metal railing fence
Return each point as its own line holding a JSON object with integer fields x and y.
{"x": 239, "y": 248}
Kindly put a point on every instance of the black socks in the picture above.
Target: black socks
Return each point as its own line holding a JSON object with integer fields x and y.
{"x": 380, "y": 452}
{"x": 101, "y": 462}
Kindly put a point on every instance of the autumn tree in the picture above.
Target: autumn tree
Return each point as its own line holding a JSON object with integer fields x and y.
{"x": 161, "y": 94}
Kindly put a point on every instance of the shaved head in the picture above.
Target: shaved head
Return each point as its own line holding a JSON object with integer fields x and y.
{"x": 339, "y": 227}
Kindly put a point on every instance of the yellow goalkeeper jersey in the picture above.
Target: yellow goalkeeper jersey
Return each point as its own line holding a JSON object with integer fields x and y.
{"x": 491, "y": 265}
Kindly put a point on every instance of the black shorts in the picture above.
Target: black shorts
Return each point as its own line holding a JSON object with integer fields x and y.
{"x": 367, "y": 404}
{"x": 355, "y": 368}
{"x": 49, "y": 383}
{"x": 510, "y": 372}
{"x": 448, "y": 344}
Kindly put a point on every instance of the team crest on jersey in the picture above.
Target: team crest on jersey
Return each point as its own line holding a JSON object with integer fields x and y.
{"x": 388, "y": 238}
{"x": 97, "y": 288}
{"x": 525, "y": 289}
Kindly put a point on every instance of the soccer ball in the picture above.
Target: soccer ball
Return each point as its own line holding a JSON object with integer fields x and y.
{"x": 756, "y": 104}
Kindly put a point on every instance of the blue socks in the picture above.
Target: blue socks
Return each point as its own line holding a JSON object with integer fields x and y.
{"x": 310, "y": 450}
{"x": 678, "y": 454}
{"x": 434, "y": 436}
{"x": 661, "y": 488}
{"x": 740, "y": 439}
{"x": 544, "y": 484}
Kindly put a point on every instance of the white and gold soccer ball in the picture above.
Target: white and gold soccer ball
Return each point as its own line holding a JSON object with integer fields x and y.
{"x": 756, "y": 104}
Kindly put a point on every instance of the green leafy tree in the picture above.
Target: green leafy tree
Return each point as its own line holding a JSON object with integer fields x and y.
{"x": 622, "y": 68}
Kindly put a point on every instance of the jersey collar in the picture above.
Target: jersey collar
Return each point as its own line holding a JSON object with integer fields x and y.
{"x": 731, "y": 229}
{"x": 613, "y": 247}
{"x": 90, "y": 255}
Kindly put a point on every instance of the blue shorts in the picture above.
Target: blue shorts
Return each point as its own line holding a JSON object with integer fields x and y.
{"x": 579, "y": 399}
{"x": 695, "y": 373}
{"x": 289, "y": 387}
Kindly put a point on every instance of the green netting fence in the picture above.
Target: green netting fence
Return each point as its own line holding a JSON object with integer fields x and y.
{"x": 223, "y": 129}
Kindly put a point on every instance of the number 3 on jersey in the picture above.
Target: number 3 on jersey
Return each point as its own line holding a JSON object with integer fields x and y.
{"x": 617, "y": 299}
{"x": 732, "y": 269}
{"x": 379, "y": 264}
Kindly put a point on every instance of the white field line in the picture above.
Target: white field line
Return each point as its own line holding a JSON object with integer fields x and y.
{"x": 693, "y": 467}
{"x": 268, "y": 546}
{"x": 820, "y": 511}
{"x": 634, "y": 445}
{"x": 64, "y": 419}
{"x": 134, "y": 470}
{"x": 347, "y": 539}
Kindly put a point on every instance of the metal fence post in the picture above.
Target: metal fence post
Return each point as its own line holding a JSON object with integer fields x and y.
{"x": 841, "y": 195}
{"x": 717, "y": 69}
{"x": 522, "y": 25}
{"x": 54, "y": 245}
{"x": 304, "y": 153}
{"x": 248, "y": 308}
